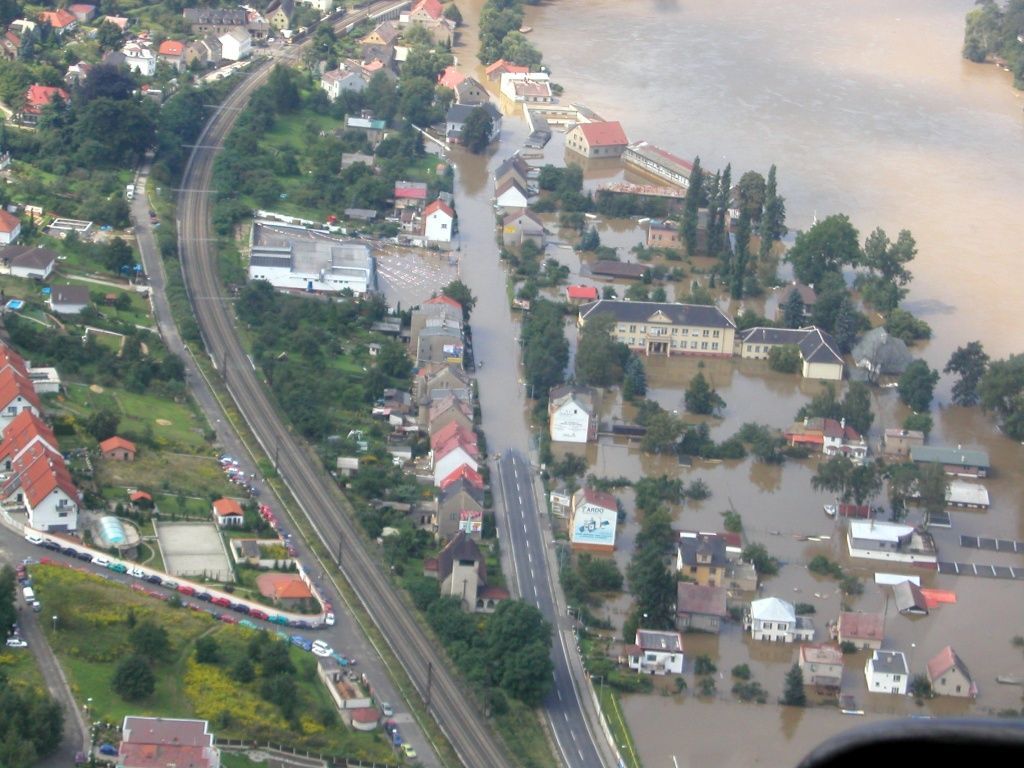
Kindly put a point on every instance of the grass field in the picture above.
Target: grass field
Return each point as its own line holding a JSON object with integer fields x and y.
{"x": 92, "y": 635}
{"x": 19, "y": 666}
{"x": 173, "y": 425}
{"x": 197, "y": 478}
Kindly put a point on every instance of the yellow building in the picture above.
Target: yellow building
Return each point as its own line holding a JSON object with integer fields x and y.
{"x": 662, "y": 328}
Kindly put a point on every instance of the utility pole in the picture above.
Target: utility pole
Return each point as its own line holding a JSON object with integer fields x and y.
{"x": 430, "y": 677}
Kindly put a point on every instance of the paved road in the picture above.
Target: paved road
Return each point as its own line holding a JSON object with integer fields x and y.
{"x": 577, "y": 742}
{"x": 326, "y": 508}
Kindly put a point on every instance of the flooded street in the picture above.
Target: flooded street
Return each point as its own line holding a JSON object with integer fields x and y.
{"x": 866, "y": 109}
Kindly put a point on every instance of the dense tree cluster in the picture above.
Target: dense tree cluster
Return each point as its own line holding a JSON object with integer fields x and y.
{"x": 992, "y": 29}
{"x": 500, "y": 38}
{"x": 31, "y": 723}
{"x": 545, "y": 348}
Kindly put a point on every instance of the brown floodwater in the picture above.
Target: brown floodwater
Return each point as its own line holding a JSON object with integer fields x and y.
{"x": 867, "y": 109}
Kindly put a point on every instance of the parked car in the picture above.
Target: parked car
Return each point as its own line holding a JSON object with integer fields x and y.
{"x": 386, "y": 709}
{"x": 206, "y": 597}
{"x": 53, "y": 546}
{"x": 320, "y": 648}
{"x": 340, "y": 659}
{"x": 34, "y": 538}
{"x": 100, "y": 560}
{"x": 300, "y": 623}
{"x": 390, "y": 726}
{"x": 223, "y": 602}
{"x": 408, "y": 751}
{"x": 185, "y": 589}
{"x": 69, "y": 551}
{"x": 227, "y": 618}
{"x": 16, "y": 642}
{"x": 248, "y": 624}
{"x": 240, "y": 607}
{"x": 136, "y": 572}
{"x": 278, "y": 619}
{"x": 154, "y": 579}
{"x": 84, "y": 556}
{"x": 108, "y": 749}
{"x": 118, "y": 567}
{"x": 283, "y": 636}
{"x": 256, "y": 613}
{"x": 302, "y": 642}
{"x": 169, "y": 584}
{"x": 329, "y": 619}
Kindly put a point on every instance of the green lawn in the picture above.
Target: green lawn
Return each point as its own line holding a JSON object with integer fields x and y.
{"x": 19, "y": 666}
{"x": 185, "y": 506}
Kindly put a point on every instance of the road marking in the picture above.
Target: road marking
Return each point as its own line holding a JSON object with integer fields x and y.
{"x": 573, "y": 734}
{"x": 579, "y": 752}
{"x": 532, "y": 574}
{"x": 559, "y": 692}
{"x": 566, "y": 716}
{"x": 528, "y": 555}
{"x": 520, "y": 499}
{"x": 535, "y": 590}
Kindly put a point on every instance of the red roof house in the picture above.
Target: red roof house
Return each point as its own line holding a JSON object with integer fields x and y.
{"x": 171, "y": 48}
{"x": 16, "y": 395}
{"x": 431, "y": 8}
{"x": 26, "y": 429}
{"x": 60, "y": 19}
{"x": 464, "y": 472}
{"x": 118, "y": 449}
{"x": 865, "y": 630}
{"x": 38, "y": 96}
{"x": 228, "y": 512}
{"x": 451, "y": 77}
{"x": 410, "y": 190}
{"x": 10, "y": 227}
{"x": 604, "y": 139}
{"x": 581, "y": 293}
{"x": 156, "y": 742}
{"x": 498, "y": 68}
{"x": 285, "y": 587}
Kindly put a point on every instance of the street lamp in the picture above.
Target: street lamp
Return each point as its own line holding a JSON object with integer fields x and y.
{"x": 54, "y": 622}
{"x": 600, "y": 694}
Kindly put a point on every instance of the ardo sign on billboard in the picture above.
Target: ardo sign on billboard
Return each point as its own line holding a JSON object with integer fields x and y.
{"x": 594, "y": 526}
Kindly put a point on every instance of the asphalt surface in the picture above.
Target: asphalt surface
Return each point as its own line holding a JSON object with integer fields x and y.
{"x": 576, "y": 742}
{"x": 325, "y": 507}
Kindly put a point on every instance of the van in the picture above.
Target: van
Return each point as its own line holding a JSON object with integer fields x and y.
{"x": 29, "y": 594}
{"x": 129, "y": 191}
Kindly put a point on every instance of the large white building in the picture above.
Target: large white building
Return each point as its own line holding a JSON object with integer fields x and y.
{"x": 299, "y": 259}
{"x": 775, "y": 620}
{"x": 656, "y": 652}
{"x": 890, "y": 541}
{"x": 571, "y": 415}
{"x": 235, "y": 44}
{"x": 887, "y": 672}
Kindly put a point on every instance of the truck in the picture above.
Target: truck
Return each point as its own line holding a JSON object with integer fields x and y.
{"x": 129, "y": 191}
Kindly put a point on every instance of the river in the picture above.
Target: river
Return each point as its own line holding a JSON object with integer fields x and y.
{"x": 867, "y": 109}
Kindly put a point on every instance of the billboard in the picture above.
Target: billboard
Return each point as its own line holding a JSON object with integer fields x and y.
{"x": 471, "y": 522}
{"x": 593, "y": 526}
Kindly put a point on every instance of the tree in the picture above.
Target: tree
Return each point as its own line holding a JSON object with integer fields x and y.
{"x": 764, "y": 564}
{"x": 917, "y": 384}
{"x": 108, "y": 36}
{"x": 828, "y": 246}
{"x": 856, "y": 407}
{"x": 969, "y": 363}
{"x": 887, "y": 274}
{"x": 833, "y": 476}
{"x": 634, "y": 382}
{"x": 517, "y": 644}
{"x": 207, "y": 650}
{"x": 150, "y": 640}
{"x": 932, "y": 485}
{"x": 476, "y": 133}
{"x": 794, "y": 694}
{"x": 591, "y": 240}
{"x": 773, "y": 217}
{"x": 8, "y": 610}
{"x": 663, "y": 432}
{"x": 751, "y": 191}
{"x": 653, "y": 587}
{"x": 459, "y": 291}
{"x": 600, "y": 359}
{"x": 785, "y": 358}
{"x": 545, "y": 348}
{"x": 740, "y": 257}
{"x": 102, "y": 424}
{"x": 700, "y": 398}
{"x": 902, "y": 479}
{"x": 920, "y": 422}
{"x": 452, "y": 13}
{"x": 716, "y": 215}
{"x": 283, "y": 90}
{"x": 1001, "y": 392}
{"x": 243, "y": 670}
{"x": 133, "y": 679}
{"x": 793, "y": 310}
{"x": 691, "y": 206}
{"x": 920, "y": 687}
{"x": 865, "y": 481}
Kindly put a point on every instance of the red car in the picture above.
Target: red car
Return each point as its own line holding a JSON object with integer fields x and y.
{"x": 228, "y": 619}
{"x": 223, "y": 602}
{"x": 185, "y": 589}
{"x": 256, "y": 613}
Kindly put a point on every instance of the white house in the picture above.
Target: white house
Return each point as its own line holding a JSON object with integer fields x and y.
{"x": 338, "y": 81}
{"x": 571, "y": 415}
{"x": 36, "y": 263}
{"x": 438, "y": 222}
{"x": 69, "y": 299}
{"x": 775, "y": 620}
{"x": 40, "y": 481}
{"x": 228, "y": 513}
{"x": 887, "y": 672}
{"x": 890, "y": 541}
{"x": 139, "y": 58}
{"x": 16, "y": 395}
{"x": 656, "y": 652}
{"x": 450, "y": 457}
{"x": 592, "y": 520}
{"x": 235, "y": 44}
{"x": 509, "y": 194}
{"x": 10, "y": 227}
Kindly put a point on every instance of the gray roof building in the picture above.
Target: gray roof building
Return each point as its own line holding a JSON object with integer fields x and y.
{"x": 890, "y": 662}
{"x": 881, "y": 354}
{"x": 642, "y": 311}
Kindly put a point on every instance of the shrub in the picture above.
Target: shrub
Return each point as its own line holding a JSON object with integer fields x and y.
{"x": 741, "y": 672}
{"x": 133, "y": 679}
{"x": 703, "y": 665}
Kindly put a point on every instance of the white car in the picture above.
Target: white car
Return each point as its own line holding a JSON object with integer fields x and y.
{"x": 386, "y": 709}
{"x": 16, "y": 642}
{"x": 100, "y": 560}
{"x": 329, "y": 619}
{"x": 137, "y": 572}
{"x": 33, "y": 538}
{"x": 320, "y": 648}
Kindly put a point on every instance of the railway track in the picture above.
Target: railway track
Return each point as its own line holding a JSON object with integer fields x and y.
{"x": 328, "y": 511}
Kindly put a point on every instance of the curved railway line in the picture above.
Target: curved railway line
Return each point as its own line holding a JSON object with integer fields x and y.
{"x": 322, "y": 502}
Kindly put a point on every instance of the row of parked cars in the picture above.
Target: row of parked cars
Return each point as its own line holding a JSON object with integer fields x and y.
{"x": 162, "y": 581}
{"x": 238, "y": 476}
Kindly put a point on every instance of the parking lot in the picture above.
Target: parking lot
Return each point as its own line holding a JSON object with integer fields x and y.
{"x": 193, "y": 549}
{"x": 411, "y": 276}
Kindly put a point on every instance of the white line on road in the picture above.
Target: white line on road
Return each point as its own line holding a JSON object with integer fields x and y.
{"x": 528, "y": 555}
{"x": 566, "y": 716}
